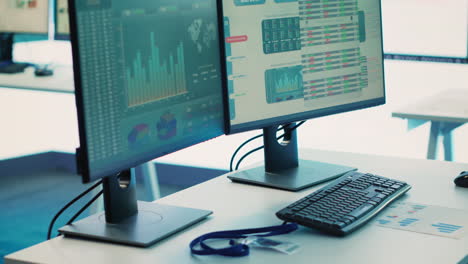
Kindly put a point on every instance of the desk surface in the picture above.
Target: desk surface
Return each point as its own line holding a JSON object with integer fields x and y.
{"x": 60, "y": 81}
{"x": 446, "y": 106}
{"x": 241, "y": 206}
{"x": 36, "y": 121}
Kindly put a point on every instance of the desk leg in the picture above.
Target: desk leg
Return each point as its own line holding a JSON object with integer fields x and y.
{"x": 446, "y": 131}
{"x": 433, "y": 140}
{"x": 447, "y": 141}
{"x": 150, "y": 180}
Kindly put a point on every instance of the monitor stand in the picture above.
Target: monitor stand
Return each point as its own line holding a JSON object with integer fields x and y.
{"x": 283, "y": 169}
{"x": 126, "y": 221}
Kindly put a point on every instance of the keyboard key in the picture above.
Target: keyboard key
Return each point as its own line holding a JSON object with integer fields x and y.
{"x": 361, "y": 210}
{"x": 381, "y": 196}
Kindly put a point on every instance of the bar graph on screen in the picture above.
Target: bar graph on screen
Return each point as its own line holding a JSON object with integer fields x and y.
{"x": 156, "y": 77}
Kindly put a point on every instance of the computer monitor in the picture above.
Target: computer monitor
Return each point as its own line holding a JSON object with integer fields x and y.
{"x": 430, "y": 30}
{"x": 62, "y": 24}
{"x": 292, "y": 60}
{"x": 20, "y": 16}
{"x": 148, "y": 83}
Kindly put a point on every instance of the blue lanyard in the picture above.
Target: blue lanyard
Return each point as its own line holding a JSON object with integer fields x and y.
{"x": 237, "y": 250}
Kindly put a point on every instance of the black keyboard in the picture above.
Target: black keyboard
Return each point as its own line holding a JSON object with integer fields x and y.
{"x": 345, "y": 204}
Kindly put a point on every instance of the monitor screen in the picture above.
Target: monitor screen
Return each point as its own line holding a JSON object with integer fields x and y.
{"x": 290, "y": 60}
{"x": 147, "y": 76}
{"x": 24, "y": 16}
{"x": 426, "y": 27}
{"x": 62, "y": 24}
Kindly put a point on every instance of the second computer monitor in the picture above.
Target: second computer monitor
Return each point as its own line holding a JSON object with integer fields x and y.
{"x": 290, "y": 60}
{"x": 24, "y": 16}
{"x": 20, "y": 16}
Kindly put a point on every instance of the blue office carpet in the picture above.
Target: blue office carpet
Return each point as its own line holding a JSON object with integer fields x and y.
{"x": 29, "y": 201}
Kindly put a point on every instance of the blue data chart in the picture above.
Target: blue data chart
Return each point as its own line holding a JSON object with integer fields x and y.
{"x": 139, "y": 136}
{"x": 283, "y": 84}
{"x": 446, "y": 228}
{"x": 167, "y": 126}
{"x": 383, "y": 221}
{"x": 281, "y": 35}
{"x": 425, "y": 219}
{"x": 320, "y": 9}
{"x": 408, "y": 221}
{"x": 248, "y": 2}
{"x": 162, "y": 78}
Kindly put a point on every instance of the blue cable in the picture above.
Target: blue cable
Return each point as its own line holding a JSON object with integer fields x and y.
{"x": 236, "y": 249}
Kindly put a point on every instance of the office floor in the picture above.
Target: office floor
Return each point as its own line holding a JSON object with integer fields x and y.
{"x": 29, "y": 202}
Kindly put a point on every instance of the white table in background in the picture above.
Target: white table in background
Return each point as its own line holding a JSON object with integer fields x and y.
{"x": 445, "y": 111}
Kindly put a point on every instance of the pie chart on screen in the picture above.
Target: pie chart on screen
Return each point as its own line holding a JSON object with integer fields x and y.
{"x": 139, "y": 135}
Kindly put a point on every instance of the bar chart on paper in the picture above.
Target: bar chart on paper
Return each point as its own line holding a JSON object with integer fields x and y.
{"x": 446, "y": 228}
{"x": 427, "y": 219}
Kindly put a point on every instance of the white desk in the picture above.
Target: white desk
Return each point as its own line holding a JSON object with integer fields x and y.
{"x": 241, "y": 206}
{"x": 60, "y": 81}
{"x": 446, "y": 111}
{"x": 36, "y": 121}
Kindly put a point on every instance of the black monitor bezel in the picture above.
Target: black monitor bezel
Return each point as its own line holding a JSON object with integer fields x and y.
{"x": 259, "y": 124}
{"x": 82, "y": 159}
{"x": 81, "y": 156}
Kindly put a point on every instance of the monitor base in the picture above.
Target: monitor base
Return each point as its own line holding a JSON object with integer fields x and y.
{"x": 153, "y": 223}
{"x": 307, "y": 174}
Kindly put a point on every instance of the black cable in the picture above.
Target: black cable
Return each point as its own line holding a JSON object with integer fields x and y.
{"x": 247, "y": 154}
{"x": 261, "y": 147}
{"x": 242, "y": 145}
{"x": 51, "y": 225}
{"x": 239, "y": 148}
{"x": 85, "y": 207}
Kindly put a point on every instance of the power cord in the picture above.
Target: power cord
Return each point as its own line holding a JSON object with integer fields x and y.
{"x": 231, "y": 163}
{"x": 51, "y": 225}
{"x": 258, "y": 148}
{"x": 85, "y": 207}
{"x": 239, "y": 148}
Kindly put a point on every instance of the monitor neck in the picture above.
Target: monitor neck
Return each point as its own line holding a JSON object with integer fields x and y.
{"x": 120, "y": 200}
{"x": 282, "y": 155}
{"x": 6, "y": 47}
